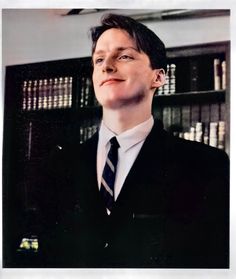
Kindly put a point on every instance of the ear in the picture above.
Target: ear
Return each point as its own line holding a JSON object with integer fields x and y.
{"x": 159, "y": 78}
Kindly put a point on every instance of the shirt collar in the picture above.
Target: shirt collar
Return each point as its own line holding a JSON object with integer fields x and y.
{"x": 128, "y": 138}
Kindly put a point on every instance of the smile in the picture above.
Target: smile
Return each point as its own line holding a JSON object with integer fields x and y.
{"x": 110, "y": 81}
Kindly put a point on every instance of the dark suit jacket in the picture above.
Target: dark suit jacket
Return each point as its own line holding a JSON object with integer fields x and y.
{"x": 173, "y": 209}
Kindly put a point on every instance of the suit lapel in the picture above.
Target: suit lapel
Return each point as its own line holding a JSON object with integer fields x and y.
{"x": 148, "y": 169}
{"x": 86, "y": 178}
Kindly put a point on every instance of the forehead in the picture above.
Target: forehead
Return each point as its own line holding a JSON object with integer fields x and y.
{"x": 114, "y": 38}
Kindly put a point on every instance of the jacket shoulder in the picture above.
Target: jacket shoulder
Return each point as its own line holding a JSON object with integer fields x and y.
{"x": 196, "y": 152}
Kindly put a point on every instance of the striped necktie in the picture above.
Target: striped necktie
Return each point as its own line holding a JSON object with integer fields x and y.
{"x": 109, "y": 174}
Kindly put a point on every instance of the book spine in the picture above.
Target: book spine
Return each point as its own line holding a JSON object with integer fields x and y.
{"x": 213, "y": 134}
{"x": 86, "y": 91}
{"x": 30, "y": 97}
{"x": 186, "y": 135}
{"x": 81, "y": 134}
{"x": 166, "y": 114}
{"x": 91, "y": 99}
{"x": 34, "y": 95}
{"x": 206, "y": 134}
{"x": 60, "y": 93}
{"x": 205, "y": 113}
{"x": 195, "y": 114}
{"x": 185, "y": 117}
{"x": 24, "y": 95}
{"x": 157, "y": 112}
{"x": 199, "y": 132}
{"x": 222, "y": 111}
{"x": 172, "y": 80}
{"x": 90, "y": 132}
{"x": 55, "y": 93}
{"x": 166, "y": 87}
{"x": 70, "y": 92}
{"x": 44, "y": 95}
{"x": 221, "y": 135}
{"x": 217, "y": 74}
{"x": 194, "y": 79}
{"x": 82, "y": 93}
{"x": 192, "y": 134}
{"x": 176, "y": 116}
{"x": 223, "y": 70}
{"x": 50, "y": 94}
{"x": 65, "y": 92}
{"x": 160, "y": 91}
{"x": 214, "y": 112}
{"x": 40, "y": 95}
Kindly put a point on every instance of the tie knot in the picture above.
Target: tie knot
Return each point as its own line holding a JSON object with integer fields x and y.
{"x": 114, "y": 143}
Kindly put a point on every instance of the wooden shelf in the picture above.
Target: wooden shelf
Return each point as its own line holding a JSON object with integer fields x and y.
{"x": 60, "y": 112}
{"x": 199, "y": 97}
{"x": 196, "y": 50}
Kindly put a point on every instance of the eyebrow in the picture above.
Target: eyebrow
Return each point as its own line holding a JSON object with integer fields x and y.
{"x": 119, "y": 49}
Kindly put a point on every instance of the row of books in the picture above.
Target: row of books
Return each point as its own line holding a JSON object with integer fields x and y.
{"x": 86, "y": 96}
{"x": 52, "y": 93}
{"x": 56, "y": 93}
{"x": 170, "y": 84}
{"x": 181, "y": 117}
{"x": 87, "y": 132}
{"x": 212, "y": 134}
{"x": 197, "y": 75}
{"x": 29, "y": 244}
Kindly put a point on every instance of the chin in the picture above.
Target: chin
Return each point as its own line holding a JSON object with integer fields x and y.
{"x": 111, "y": 105}
{"x": 110, "y": 102}
{"x": 113, "y": 101}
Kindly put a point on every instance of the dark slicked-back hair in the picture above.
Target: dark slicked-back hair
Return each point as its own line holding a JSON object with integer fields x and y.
{"x": 145, "y": 39}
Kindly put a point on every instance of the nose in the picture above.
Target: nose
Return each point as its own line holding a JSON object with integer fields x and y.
{"x": 108, "y": 65}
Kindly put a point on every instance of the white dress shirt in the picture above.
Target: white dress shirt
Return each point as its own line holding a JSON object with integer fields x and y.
{"x": 130, "y": 143}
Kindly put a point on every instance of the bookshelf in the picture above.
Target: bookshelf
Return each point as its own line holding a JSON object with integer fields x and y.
{"x": 194, "y": 102}
{"x": 52, "y": 103}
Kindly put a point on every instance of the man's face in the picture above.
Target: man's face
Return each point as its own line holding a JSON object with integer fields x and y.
{"x": 122, "y": 75}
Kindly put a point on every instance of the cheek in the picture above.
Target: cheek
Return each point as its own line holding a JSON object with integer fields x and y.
{"x": 95, "y": 82}
{"x": 94, "y": 78}
{"x": 141, "y": 72}
{"x": 140, "y": 79}
{"x": 146, "y": 78}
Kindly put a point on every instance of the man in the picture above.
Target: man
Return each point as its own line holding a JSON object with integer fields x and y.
{"x": 136, "y": 196}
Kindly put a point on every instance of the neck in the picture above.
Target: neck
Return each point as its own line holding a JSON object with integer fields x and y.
{"x": 122, "y": 119}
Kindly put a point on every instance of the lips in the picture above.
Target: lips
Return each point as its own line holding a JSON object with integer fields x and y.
{"x": 110, "y": 81}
